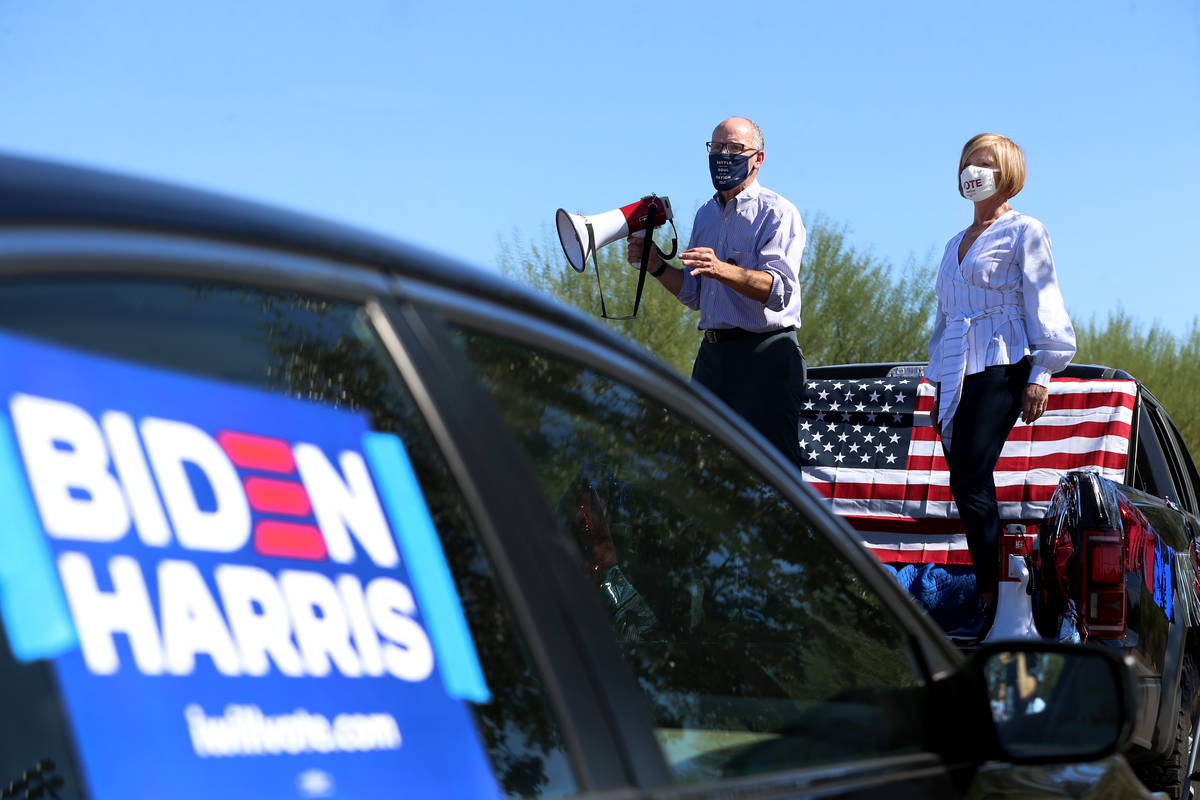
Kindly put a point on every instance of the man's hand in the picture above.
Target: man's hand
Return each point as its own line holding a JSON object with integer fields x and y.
{"x": 753, "y": 283}
{"x": 636, "y": 245}
{"x": 1033, "y": 405}
{"x": 704, "y": 262}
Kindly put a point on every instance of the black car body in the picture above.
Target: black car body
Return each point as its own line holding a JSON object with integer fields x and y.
{"x": 294, "y": 511}
{"x": 1144, "y": 600}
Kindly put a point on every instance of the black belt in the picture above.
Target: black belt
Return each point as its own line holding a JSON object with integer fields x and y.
{"x": 728, "y": 334}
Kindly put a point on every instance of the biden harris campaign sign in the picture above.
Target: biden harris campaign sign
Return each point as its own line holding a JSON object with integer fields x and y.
{"x": 241, "y": 594}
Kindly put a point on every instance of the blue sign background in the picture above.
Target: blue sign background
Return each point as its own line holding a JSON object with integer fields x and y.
{"x": 131, "y": 732}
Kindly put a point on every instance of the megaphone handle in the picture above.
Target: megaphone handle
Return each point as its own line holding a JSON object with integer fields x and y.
{"x": 637, "y": 298}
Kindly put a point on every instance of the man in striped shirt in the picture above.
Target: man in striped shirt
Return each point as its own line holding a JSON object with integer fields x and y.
{"x": 741, "y": 272}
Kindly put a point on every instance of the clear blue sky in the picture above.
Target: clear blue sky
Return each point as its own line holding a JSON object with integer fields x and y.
{"x": 454, "y": 125}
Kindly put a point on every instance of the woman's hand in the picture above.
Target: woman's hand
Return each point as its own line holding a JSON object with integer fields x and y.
{"x": 1034, "y": 403}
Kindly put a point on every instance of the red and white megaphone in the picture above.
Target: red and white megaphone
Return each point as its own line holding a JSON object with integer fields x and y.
{"x": 582, "y": 236}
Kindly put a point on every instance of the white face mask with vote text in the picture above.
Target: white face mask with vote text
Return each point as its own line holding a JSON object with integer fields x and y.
{"x": 978, "y": 183}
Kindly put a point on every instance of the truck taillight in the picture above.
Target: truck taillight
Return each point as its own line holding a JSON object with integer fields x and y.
{"x": 1105, "y": 564}
{"x": 1106, "y": 612}
{"x": 1104, "y": 583}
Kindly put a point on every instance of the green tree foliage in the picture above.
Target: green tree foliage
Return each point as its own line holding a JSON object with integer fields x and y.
{"x": 837, "y": 282}
{"x": 1167, "y": 365}
{"x": 663, "y": 325}
{"x": 858, "y": 309}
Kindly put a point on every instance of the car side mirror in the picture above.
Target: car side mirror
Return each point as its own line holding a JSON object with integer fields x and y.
{"x": 1056, "y": 702}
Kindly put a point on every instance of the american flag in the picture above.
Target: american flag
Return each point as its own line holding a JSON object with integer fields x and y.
{"x": 870, "y": 450}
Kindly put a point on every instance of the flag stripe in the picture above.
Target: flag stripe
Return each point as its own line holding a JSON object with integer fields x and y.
{"x": 932, "y": 510}
{"x": 1060, "y": 400}
{"x": 912, "y": 541}
{"x": 926, "y": 528}
{"x": 818, "y": 477}
{"x": 916, "y": 491}
{"x": 1060, "y": 462}
{"x": 927, "y": 554}
{"x": 1052, "y": 431}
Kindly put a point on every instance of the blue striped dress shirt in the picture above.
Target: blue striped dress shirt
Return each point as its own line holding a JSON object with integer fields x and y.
{"x": 757, "y": 229}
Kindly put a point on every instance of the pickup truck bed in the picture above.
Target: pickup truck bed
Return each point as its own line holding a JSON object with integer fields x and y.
{"x": 1102, "y": 502}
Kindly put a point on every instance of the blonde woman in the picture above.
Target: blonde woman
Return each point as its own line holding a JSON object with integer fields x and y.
{"x": 1001, "y": 331}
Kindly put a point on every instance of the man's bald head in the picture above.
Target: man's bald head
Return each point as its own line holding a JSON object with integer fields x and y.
{"x": 739, "y": 129}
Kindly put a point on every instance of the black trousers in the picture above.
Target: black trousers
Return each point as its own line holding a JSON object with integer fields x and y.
{"x": 760, "y": 376}
{"x": 987, "y": 411}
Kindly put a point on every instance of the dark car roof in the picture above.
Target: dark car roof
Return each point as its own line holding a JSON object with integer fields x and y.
{"x": 40, "y": 192}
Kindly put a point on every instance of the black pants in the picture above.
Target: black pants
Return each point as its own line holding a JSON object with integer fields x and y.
{"x": 987, "y": 411}
{"x": 760, "y": 376}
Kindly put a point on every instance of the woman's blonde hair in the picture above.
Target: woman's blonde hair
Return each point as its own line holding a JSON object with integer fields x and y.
{"x": 1009, "y": 159}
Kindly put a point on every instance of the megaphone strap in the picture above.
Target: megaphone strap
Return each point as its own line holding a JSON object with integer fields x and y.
{"x": 591, "y": 248}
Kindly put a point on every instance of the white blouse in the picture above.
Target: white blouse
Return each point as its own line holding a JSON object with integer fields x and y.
{"x": 1001, "y": 303}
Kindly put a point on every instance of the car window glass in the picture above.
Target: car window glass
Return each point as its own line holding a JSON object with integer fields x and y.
{"x": 1189, "y": 463}
{"x": 757, "y": 647}
{"x": 1150, "y": 474}
{"x": 324, "y": 353}
{"x": 1167, "y": 458}
{"x": 1183, "y": 469}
